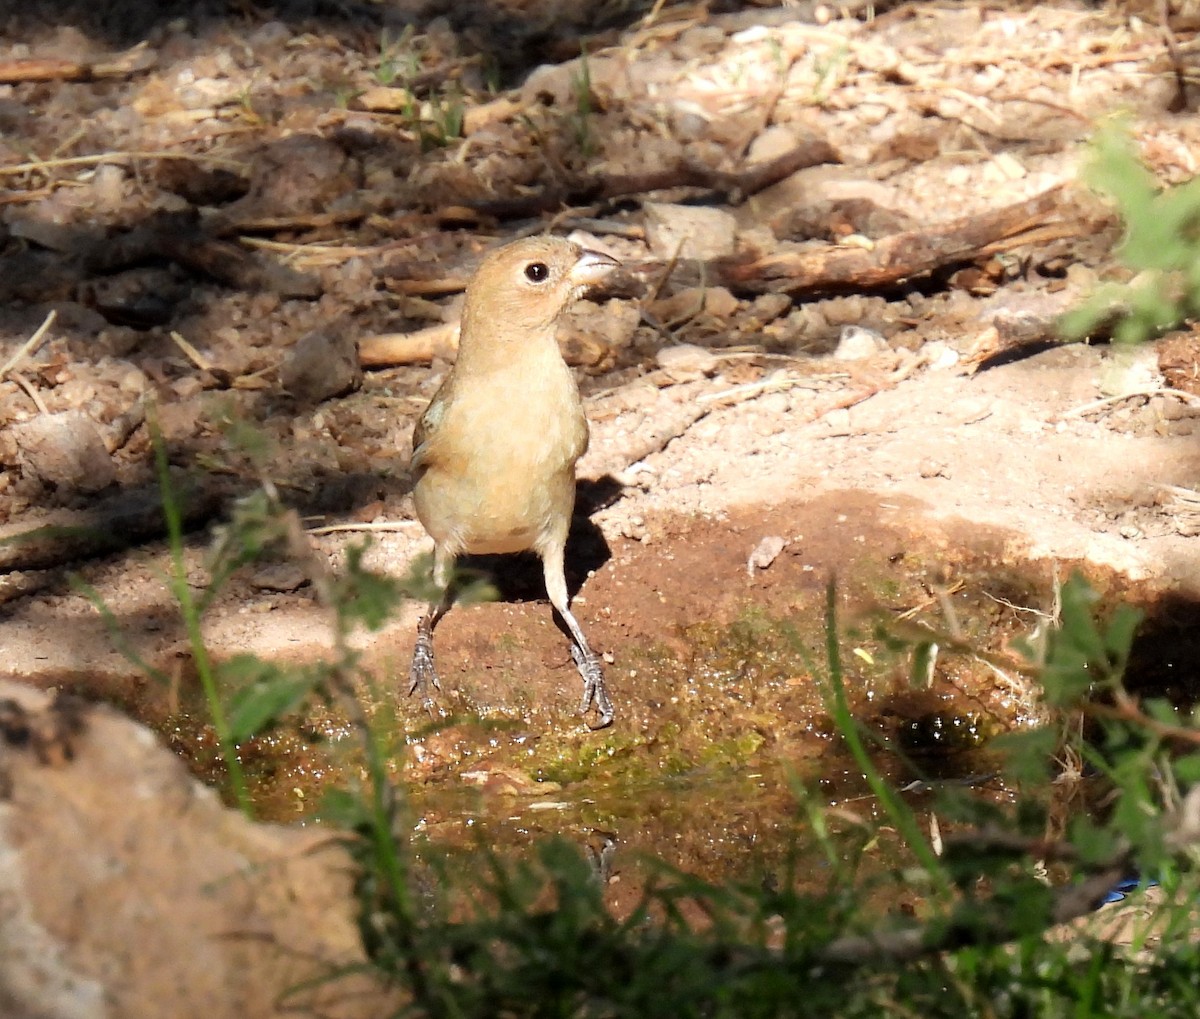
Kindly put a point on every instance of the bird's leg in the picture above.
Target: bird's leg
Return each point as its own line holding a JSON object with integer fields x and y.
{"x": 422, "y": 673}
{"x": 586, "y": 660}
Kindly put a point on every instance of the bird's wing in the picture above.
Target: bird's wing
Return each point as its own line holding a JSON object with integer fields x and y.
{"x": 426, "y": 428}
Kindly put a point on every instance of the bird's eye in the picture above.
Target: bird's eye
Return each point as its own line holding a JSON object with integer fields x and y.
{"x": 537, "y": 272}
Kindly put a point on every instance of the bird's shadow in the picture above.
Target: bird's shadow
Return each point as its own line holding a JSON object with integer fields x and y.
{"x": 518, "y": 577}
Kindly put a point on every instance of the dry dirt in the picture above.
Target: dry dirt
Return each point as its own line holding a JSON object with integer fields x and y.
{"x": 725, "y": 484}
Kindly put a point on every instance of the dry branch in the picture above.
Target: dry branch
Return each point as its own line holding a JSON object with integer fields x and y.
{"x": 180, "y": 238}
{"x": 898, "y": 257}
{"x": 441, "y": 341}
{"x": 122, "y": 65}
{"x": 119, "y": 522}
{"x": 726, "y": 186}
{"x": 386, "y": 349}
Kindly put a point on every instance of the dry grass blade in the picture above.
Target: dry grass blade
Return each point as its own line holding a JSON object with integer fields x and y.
{"x": 29, "y": 346}
{"x": 17, "y": 169}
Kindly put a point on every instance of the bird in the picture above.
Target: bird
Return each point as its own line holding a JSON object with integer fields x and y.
{"x": 494, "y": 453}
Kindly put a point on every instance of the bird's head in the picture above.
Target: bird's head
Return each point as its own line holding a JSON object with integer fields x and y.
{"x": 527, "y": 285}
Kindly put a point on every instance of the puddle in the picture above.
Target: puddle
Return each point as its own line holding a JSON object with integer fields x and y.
{"x": 720, "y": 676}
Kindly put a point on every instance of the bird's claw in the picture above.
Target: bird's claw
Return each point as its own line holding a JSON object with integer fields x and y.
{"x": 422, "y": 674}
{"x": 594, "y": 690}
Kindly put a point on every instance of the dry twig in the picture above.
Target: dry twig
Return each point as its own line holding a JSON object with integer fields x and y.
{"x": 30, "y": 345}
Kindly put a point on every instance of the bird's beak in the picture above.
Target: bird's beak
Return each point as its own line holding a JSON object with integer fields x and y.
{"x": 591, "y": 268}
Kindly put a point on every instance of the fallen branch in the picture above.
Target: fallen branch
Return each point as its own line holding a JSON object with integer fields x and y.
{"x": 41, "y": 165}
{"x": 385, "y": 350}
{"x": 29, "y": 346}
{"x": 14, "y": 72}
{"x": 120, "y": 522}
{"x": 730, "y": 187}
{"x": 180, "y": 238}
{"x": 899, "y": 257}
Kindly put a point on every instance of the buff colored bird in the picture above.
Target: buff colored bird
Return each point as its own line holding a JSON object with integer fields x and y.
{"x": 494, "y": 454}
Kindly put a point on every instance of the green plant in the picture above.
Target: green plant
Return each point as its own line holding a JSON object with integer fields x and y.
{"x": 581, "y": 118}
{"x": 398, "y": 58}
{"x": 1161, "y": 245}
{"x": 535, "y": 937}
{"x": 489, "y": 935}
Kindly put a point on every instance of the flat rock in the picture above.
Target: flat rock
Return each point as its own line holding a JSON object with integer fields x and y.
{"x": 691, "y": 231}
{"x": 128, "y": 889}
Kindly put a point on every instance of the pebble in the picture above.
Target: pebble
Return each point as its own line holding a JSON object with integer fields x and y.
{"x": 696, "y": 233}
{"x": 686, "y": 358}
{"x": 857, "y": 343}
{"x": 65, "y": 450}
{"x": 321, "y": 365}
{"x": 765, "y": 553}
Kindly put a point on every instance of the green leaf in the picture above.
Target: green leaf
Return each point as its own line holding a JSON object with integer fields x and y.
{"x": 1119, "y": 634}
{"x": 265, "y": 694}
{"x": 1187, "y": 769}
{"x": 1078, "y": 627}
{"x": 362, "y": 596}
{"x": 1096, "y": 845}
{"x": 1028, "y": 755}
{"x": 924, "y": 656}
{"x": 1161, "y": 710}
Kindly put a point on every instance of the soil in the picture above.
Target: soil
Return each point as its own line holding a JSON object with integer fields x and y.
{"x": 257, "y": 176}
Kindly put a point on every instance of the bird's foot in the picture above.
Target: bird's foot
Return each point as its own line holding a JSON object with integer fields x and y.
{"x": 594, "y": 690}
{"x": 422, "y": 674}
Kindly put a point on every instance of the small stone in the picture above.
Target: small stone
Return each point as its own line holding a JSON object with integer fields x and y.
{"x": 765, "y": 553}
{"x": 281, "y": 577}
{"x": 857, "y": 343}
{"x": 931, "y": 468}
{"x": 549, "y": 84}
{"x": 775, "y": 141}
{"x": 65, "y": 450}
{"x": 321, "y": 365}
{"x": 694, "y": 232}
{"x": 187, "y": 387}
{"x": 719, "y": 302}
{"x": 768, "y": 307}
{"x": 686, "y": 359}
{"x": 939, "y": 355}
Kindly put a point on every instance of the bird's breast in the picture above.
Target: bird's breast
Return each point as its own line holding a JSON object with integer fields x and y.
{"x": 498, "y": 471}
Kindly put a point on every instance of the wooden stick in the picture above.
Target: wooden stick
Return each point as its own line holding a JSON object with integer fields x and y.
{"x": 30, "y": 345}
{"x": 893, "y": 259}
{"x": 115, "y": 157}
{"x": 386, "y": 349}
{"x": 729, "y": 186}
{"x": 193, "y": 355}
{"x": 140, "y": 58}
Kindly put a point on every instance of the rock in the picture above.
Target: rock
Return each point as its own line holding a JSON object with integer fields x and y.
{"x": 321, "y": 365}
{"x": 857, "y": 343}
{"x": 765, "y": 553}
{"x": 127, "y": 889}
{"x": 768, "y": 307}
{"x": 284, "y": 577}
{"x": 772, "y": 143}
{"x": 693, "y": 231}
{"x": 549, "y": 84}
{"x": 65, "y": 450}
{"x": 301, "y": 173}
{"x": 686, "y": 359}
{"x": 719, "y": 302}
